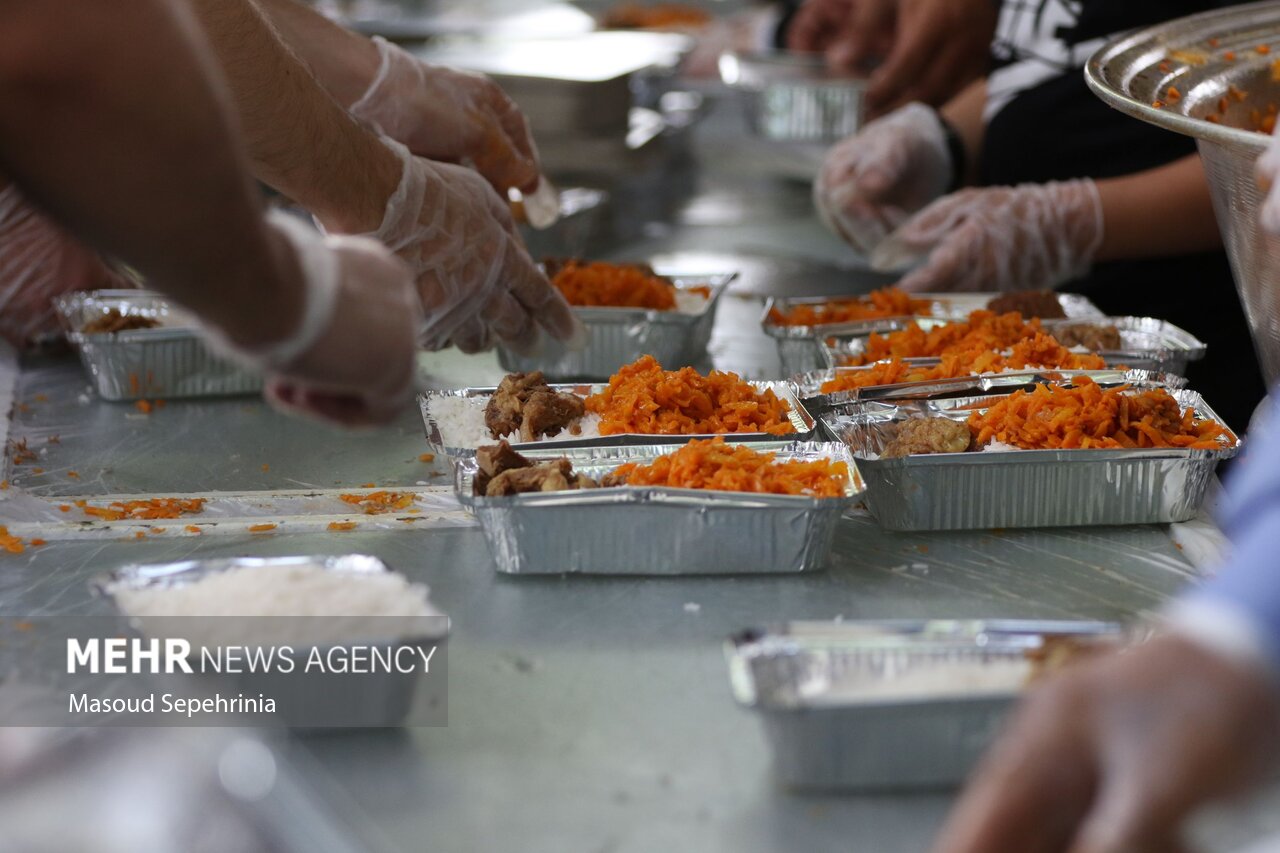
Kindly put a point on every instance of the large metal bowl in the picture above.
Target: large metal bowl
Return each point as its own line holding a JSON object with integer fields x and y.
{"x": 1135, "y": 73}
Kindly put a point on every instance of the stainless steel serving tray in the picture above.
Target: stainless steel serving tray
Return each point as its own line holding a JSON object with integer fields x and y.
{"x": 1146, "y": 343}
{"x": 801, "y": 347}
{"x": 658, "y": 531}
{"x": 1022, "y": 488}
{"x": 809, "y": 385}
{"x": 619, "y": 336}
{"x": 792, "y": 97}
{"x": 384, "y": 699}
{"x": 825, "y": 693}
{"x": 802, "y": 421}
{"x": 169, "y": 361}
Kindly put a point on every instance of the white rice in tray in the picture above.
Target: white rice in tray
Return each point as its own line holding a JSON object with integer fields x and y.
{"x": 690, "y": 303}
{"x": 461, "y": 423}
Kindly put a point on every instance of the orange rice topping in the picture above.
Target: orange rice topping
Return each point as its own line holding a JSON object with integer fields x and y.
{"x": 601, "y": 285}
{"x": 643, "y": 398}
{"x": 877, "y": 305}
{"x": 714, "y": 465}
{"x": 1041, "y": 351}
{"x": 1086, "y": 416}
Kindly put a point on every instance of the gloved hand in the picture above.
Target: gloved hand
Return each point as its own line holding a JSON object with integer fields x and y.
{"x": 477, "y": 283}
{"x": 1110, "y": 756}
{"x": 451, "y": 116}
{"x": 38, "y": 261}
{"x": 351, "y": 357}
{"x": 874, "y": 180}
{"x": 1001, "y": 238}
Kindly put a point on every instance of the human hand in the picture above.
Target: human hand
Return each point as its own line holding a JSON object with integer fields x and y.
{"x": 873, "y": 181}
{"x": 39, "y": 261}
{"x": 1110, "y": 756}
{"x": 931, "y": 49}
{"x": 1000, "y": 238}
{"x": 477, "y": 283}
{"x": 350, "y": 358}
{"x": 451, "y": 116}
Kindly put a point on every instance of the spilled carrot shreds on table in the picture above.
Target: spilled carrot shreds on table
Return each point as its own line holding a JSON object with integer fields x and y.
{"x": 1088, "y": 417}
{"x": 643, "y": 398}
{"x": 377, "y": 503}
{"x": 13, "y": 544}
{"x": 983, "y": 330}
{"x": 339, "y": 526}
{"x": 262, "y": 528}
{"x": 713, "y": 464}
{"x": 1040, "y": 352}
{"x": 877, "y": 305}
{"x": 601, "y": 285}
{"x": 150, "y": 509}
{"x": 18, "y": 452}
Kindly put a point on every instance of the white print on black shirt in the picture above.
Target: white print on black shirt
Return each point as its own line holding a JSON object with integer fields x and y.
{"x": 1032, "y": 45}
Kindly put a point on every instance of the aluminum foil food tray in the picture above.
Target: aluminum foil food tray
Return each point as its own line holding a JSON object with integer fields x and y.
{"x": 658, "y": 531}
{"x": 823, "y": 691}
{"x": 619, "y": 336}
{"x": 792, "y": 98}
{"x": 162, "y": 362}
{"x": 1023, "y": 488}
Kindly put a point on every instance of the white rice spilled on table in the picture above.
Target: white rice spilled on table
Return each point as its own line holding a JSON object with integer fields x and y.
{"x": 461, "y": 423}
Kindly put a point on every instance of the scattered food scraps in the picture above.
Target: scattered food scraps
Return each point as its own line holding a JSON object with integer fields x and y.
{"x": 262, "y": 528}
{"x": 338, "y": 526}
{"x": 377, "y": 503}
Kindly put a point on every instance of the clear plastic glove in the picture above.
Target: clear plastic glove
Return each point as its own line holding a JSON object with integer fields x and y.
{"x": 873, "y": 181}
{"x": 1111, "y": 756}
{"x": 39, "y": 261}
{"x": 477, "y": 283}
{"x": 452, "y": 116}
{"x": 1002, "y": 238}
{"x": 351, "y": 358}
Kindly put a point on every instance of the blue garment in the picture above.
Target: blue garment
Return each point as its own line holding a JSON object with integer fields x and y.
{"x": 1250, "y": 580}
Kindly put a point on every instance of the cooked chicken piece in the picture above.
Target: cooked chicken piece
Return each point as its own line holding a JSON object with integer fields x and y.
{"x": 548, "y": 413}
{"x": 929, "y": 435}
{"x": 493, "y": 460}
{"x": 554, "y": 476}
{"x": 1029, "y": 303}
{"x": 502, "y": 414}
{"x": 1087, "y": 335}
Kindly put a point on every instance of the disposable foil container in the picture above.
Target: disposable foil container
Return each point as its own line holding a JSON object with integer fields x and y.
{"x": 792, "y": 98}
{"x": 887, "y": 706}
{"x": 169, "y": 361}
{"x": 658, "y": 531}
{"x": 619, "y": 336}
{"x": 1020, "y": 488}
{"x": 809, "y": 385}
{"x": 803, "y": 348}
{"x": 1145, "y": 344}
{"x": 384, "y": 699}
{"x": 443, "y": 440}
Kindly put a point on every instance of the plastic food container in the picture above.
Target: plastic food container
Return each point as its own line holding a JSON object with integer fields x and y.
{"x": 443, "y": 439}
{"x": 619, "y": 336}
{"x": 658, "y": 531}
{"x": 169, "y": 361}
{"x": 887, "y": 706}
{"x": 1020, "y": 488}
{"x": 801, "y": 347}
{"x": 306, "y": 700}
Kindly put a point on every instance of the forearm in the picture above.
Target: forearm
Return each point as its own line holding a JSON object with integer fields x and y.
{"x": 964, "y": 112}
{"x": 343, "y": 62}
{"x": 1162, "y": 212}
{"x": 134, "y": 150}
{"x": 300, "y": 140}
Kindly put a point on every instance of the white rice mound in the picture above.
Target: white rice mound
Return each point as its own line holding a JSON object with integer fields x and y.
{"x": 994, "y": 446}
{"x": 690, "y": 303}
{"x": 461, "y": 423}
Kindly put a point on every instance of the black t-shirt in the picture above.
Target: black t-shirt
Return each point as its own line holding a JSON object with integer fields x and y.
{"x": 1044, "y": 124}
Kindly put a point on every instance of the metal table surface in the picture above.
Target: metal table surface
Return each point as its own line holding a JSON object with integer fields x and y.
{"x": 586, "y": 714}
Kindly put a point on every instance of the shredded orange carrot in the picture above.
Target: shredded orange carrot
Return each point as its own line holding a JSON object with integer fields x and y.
{"x": 661, "y": 16}
{"x": 1173, "y": 94}
{"x": 983, "y": 330}
{"x": 614, "y": 286}
{"x": 75, "y": 475}
{"x": 717, "y": 466}
{"x": 877, "y": 305}
{"x": 338, "y": 526}
{"x": 12, "y": 544}
{"x": 151, "y": 509}
{"x": 18, "y": 451}
{"x": 143, "y": 406}
{"x": 265, "y": 467}
{"x": 192, "y": 529}
{"x": 36, "y": 543}
{"x": 64, "y": 508}
{"x": 645, "y": 399}
{"x": 368, "y": 485}
{"x": 262, "y": 528}
{"x": 4, "y": 485}
{"x": 134, "y": 385}
{"x": 37, "y": 470}
{"x": 377, "y": 503}
{"x": 1229, "y": 56}
{"x": 1040, "y": 351}
{"x": 1263, "y": 49}
{"x": 427, "y": 457}
{"x": 1086, "y": 416}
